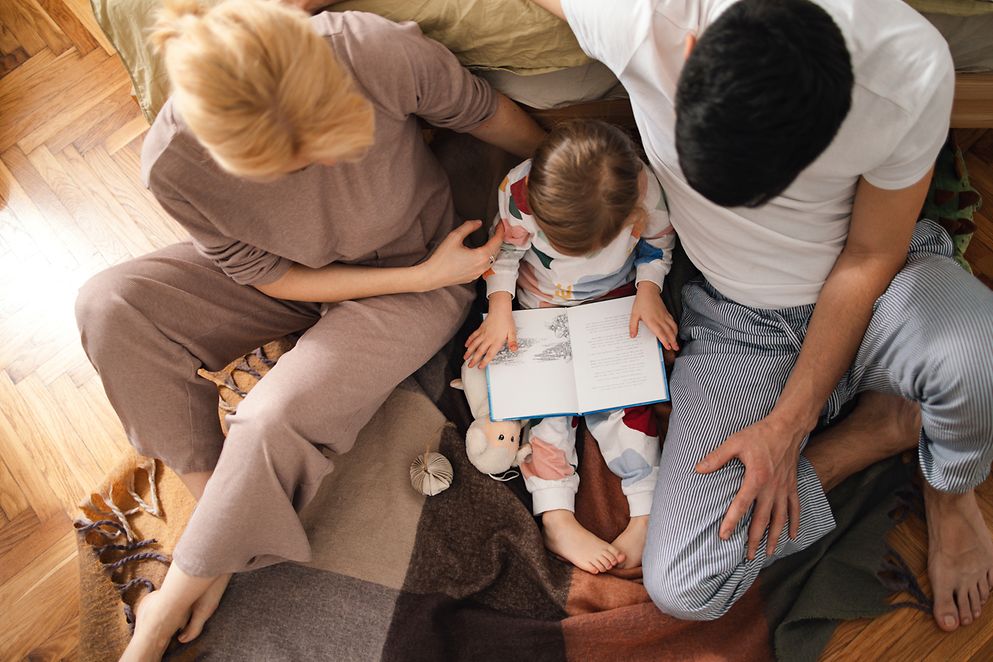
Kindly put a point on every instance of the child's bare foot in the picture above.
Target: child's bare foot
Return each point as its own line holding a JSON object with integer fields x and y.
{"x": 631, "y": 542}
{"x": 569, "y": 539}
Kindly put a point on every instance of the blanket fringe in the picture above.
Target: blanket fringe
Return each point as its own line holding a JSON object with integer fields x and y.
{"x": 895, "y": 573}
{"x": 118, "y": 536}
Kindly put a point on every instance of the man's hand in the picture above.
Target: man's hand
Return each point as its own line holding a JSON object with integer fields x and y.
{"x": 497, "y": 330}
{"x": 648, "y": 308}
{"x": 770, "y": 451}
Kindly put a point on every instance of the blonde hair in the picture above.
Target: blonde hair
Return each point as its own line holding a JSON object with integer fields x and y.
{"x": 583, "y": 187}
{"x": 259, "y": 88}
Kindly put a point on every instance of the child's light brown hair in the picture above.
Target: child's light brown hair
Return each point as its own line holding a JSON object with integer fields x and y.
{"x": 583, "y": 186}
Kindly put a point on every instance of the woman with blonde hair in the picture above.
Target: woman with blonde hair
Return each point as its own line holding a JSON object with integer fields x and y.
{"x": 291, "y": 153}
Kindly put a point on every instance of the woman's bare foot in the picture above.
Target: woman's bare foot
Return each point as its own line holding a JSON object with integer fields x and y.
{"x": 155, "y": 623}
{"x": 960, "y": 557}
{"x": 204, "y": 608}
{"x": 880, "y": 426}
{"x": 161, "y": 614}
{"x": 631, "y": 542}
{"x": 565, "y": 536}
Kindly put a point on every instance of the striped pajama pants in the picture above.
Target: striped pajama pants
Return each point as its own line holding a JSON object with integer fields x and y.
{"x": 930, "y": 340}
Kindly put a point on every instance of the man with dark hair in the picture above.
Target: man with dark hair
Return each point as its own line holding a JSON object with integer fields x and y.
{"x": 782, "y": 95}
{"x": 795, "y": 143}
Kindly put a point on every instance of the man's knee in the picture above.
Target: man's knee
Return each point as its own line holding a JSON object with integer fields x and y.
{"x": 676, "y": 593}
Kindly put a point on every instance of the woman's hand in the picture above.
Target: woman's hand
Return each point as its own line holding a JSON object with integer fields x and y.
{"x": 454, "y": 263}
{"x": 497, "y": 330}
{"x": 648, "y": 308}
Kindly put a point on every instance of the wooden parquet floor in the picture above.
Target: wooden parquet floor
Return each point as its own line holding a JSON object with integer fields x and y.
{"x": 71, "y": 204}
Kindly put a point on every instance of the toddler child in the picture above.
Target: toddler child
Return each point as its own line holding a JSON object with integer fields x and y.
{"x": 585, "y": 219}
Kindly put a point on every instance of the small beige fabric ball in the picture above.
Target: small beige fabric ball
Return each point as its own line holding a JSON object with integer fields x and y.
{"x": 431, "y": 473}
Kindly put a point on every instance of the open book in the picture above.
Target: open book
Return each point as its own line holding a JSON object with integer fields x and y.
{"x": 575, "y": 361}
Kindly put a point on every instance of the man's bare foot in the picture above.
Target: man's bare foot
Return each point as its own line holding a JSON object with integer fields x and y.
{"x": 158, "y": 618}
{"x": 631, "y": 542}
{"x": 960, "y": 557}
{"x": 565, "y": 536}
{"x": 880, "y": 426}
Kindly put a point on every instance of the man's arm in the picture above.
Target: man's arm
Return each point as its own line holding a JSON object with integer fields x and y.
{"x": 876, "y": 249}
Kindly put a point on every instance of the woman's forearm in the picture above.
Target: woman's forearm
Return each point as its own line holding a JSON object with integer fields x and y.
{"x": 345, "y": 282}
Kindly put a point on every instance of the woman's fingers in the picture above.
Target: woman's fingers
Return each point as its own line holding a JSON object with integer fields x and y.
{"x": 461, "y": 233}
{"x": 633, "y": 325}
{"x": 492, "y": 247}
{"x": 512, "y": 340}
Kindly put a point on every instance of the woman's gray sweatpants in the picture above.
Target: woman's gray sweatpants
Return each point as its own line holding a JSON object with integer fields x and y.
{"x": 150, "y": 323}
{"x": 930, "y": 340}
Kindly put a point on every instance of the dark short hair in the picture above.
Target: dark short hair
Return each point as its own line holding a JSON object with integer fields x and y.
{"x": 762, "y": 94}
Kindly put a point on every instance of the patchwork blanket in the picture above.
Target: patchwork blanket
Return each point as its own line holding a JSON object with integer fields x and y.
{"x": 463, "y": 575}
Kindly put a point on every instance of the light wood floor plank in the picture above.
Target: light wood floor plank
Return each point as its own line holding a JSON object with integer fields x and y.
{"x": 86, "y": 89}
{"x": 123, "y": 226}
{"x": 93, "y": 420}
{"x": 137, "y": 201}
{"x": 89, "y": 218}
{"x": 82, "y": 10}
{"x": 67, "y": 21}
{"x": 45, "y": 217}
{"x": 125, "y": 134}
{"x": 43, "y": 104}
{"x": 60, "y": 432}
{"x": 110, "y": 107}
{"x": 47, "y": 608}
{"x": 12, "y": 499}
{"x": 30, "y": 453}
{"x": 17, "y": 553}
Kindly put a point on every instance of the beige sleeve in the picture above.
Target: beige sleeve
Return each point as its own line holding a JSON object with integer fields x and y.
{"x": 406, "y": 73}
{"x": 244, "y": 263}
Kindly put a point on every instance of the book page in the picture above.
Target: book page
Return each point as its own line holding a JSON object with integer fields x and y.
{"x": 612, "y": 369}
{"x": 537, "y": 380}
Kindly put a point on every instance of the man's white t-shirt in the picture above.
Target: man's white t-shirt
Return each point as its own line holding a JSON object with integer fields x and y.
{"x": 780, "y": 254}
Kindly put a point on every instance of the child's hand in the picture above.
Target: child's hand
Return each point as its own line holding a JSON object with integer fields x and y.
{"x": 495, "y": 331}
{"x": 648, "y": 308}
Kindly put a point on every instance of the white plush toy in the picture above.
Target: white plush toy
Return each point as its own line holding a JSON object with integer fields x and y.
{"x": 493, "y": 447}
